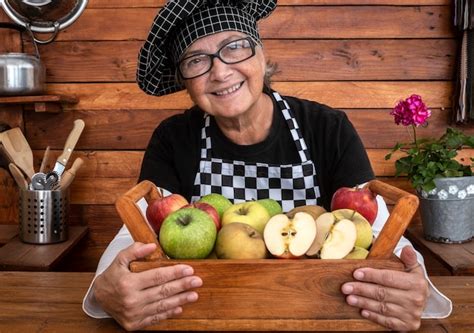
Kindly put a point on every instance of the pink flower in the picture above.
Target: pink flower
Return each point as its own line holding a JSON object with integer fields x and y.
{"x": 411, "y": 111}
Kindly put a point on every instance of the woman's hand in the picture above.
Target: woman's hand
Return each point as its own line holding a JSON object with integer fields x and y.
{"x": 137, "y": 300}
{"x": 393, "y": 299}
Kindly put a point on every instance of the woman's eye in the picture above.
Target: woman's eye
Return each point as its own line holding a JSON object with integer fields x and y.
{"x": 193, "y": 62}
{"x": 240, "y": 44}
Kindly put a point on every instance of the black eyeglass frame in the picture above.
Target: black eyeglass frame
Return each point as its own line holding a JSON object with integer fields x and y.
{"x": 212, "y": 56}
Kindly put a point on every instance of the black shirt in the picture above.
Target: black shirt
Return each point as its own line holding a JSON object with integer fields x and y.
{"x": 172, "y": 157}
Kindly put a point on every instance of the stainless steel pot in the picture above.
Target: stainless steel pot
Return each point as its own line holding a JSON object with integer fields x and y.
{"x": 44, "y": 16}
{"x": 21, "y": 73}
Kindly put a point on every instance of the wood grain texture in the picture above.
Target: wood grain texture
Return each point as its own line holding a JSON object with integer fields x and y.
{"x": 249, "y": 289}
{"x": 331, "y": 60}
{"x": 16, "y": 255}
{"x": 52, "y": 301}
{"x": 286, "y": 22}
{"x": 132, "y": 130}
{"x": 160, "y": 3}
{"x": 340, "y": 95}
{"x": 458, "y": 258}
{"x": 126, "y": 164}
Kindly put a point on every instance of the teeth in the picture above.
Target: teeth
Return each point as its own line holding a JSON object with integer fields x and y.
{"x": 228, "y": 90}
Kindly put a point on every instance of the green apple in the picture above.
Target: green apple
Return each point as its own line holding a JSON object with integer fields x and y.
{"x": 251, "y": 213}
{"x": 218, "y": 201}
{"x": 364, "y": 229}
{"x": 240, "y": 241}
{"x": 357, "y": 253}
{"x": 188, "y": 233}
{"x": 272, "y": 206}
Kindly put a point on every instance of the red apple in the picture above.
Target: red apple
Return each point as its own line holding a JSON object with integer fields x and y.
{"x": 360, "y": 199}
{"x": 207, "y": 208}
{"x": 159, "y": 209}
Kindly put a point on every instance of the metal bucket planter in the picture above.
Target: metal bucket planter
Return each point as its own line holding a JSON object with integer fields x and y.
{"x": 447, "y": 212}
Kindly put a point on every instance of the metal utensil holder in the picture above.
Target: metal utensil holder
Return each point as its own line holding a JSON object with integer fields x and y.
{"x": 43, "y": 216}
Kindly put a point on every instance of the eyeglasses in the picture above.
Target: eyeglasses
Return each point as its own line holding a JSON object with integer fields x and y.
{"x": 231, "y": 53}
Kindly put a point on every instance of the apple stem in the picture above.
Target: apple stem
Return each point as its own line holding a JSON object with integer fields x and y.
{"x": 185, "y": 220}
{"x": 353, "y": 214}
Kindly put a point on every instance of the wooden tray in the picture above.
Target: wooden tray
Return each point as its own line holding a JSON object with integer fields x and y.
{"x": 271, "y": 294}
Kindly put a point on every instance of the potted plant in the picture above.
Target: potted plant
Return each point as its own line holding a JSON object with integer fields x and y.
{"x": 445, "y": 186}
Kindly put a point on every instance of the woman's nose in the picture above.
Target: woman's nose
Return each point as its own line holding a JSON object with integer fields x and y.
{"x": 219, "y": 70}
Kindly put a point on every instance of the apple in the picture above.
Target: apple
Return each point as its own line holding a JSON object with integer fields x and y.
{"x": 272, "y": 206}
{"x": 159, "y": 209}
{"x": 363, "y": 227}
{"x": 218, "y": 201}
{"x": 240, "y": 241}
{"x": 289, "y": 238}
{"x": 188, "y": 233}
{"x": 208, "y": 209}
{"x": 340, "y": 241}
{"x": 357, "y": 198}
{"x": 336, "y": 235}
{"x": 314, "y": 210}
{"x": 357, "y": 253}
{"x": 251, "y": 213}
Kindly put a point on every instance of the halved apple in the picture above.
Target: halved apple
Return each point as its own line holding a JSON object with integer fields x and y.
{"x": 340, "y": 241}
{"x": 357, "y": 253}
{"x": 314, "y": 210}
{"x": 289, "y": 238}
{"x": 364, "y": 229}
{"x": 324, "y": 224}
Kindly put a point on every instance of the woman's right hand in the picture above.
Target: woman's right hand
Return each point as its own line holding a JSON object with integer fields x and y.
{"x": 137, "y": 300}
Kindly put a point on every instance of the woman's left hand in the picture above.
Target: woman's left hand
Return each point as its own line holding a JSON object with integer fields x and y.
{"x": 393, "y": 299}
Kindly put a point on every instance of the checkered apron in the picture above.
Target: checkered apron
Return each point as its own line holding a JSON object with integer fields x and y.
{"x": 292, "y": 185}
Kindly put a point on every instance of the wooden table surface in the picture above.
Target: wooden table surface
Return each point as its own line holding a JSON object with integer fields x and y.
{"x": 457, "y": 258}
{"x": 51, "y": 302}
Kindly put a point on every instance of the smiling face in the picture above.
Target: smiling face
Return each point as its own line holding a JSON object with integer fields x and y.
{"x": 227, "y": 91}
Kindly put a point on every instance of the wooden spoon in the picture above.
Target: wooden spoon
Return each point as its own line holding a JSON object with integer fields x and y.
{"x": 18, "y": 150}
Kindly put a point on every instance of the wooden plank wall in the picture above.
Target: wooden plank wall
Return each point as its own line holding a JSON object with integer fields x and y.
{"x": 361, "y": 56}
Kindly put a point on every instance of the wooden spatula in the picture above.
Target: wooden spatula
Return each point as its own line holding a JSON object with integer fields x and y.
{"x": 18, "y": 150}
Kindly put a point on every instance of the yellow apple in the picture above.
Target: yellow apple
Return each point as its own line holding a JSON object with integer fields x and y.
{"x": 364, "y": 229}
{"x": 251, "y": 213}
{"x": 239, "y": 241}
{"x": 357, "y": 253}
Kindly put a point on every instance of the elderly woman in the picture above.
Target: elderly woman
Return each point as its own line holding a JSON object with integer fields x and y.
{"x": 245, "y": 141}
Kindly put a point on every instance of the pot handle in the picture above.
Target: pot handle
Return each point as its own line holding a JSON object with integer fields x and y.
{"x": 21, "y": 29}
{"x": 45, "y": 41}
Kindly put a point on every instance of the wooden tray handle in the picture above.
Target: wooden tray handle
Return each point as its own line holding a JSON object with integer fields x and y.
{"x": 399, "y": 219}
{"x": 131, "y": 215}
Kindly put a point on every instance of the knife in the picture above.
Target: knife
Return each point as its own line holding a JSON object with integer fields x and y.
{"x": 71, "y": 141}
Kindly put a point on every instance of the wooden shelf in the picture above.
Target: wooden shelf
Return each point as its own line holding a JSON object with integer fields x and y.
{"x": 18, "y": 256}
{"x": 41, "y": 103}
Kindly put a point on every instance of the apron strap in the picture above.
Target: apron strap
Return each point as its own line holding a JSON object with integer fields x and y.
{"x": 294, "y": 128}
{"x": 290, "y": 120}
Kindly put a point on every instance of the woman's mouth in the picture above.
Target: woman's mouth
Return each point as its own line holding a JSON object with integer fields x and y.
{"x": 229, "y": 90}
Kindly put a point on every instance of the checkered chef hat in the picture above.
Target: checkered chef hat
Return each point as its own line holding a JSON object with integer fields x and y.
{"x": 180, "y": 23}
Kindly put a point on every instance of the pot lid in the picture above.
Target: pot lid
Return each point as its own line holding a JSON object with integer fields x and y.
{"x": 44, "y": 16}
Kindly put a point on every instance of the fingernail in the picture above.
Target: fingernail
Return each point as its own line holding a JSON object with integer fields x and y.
{"x": 196, "y": 282}
{"x": 187, "y": 271}
{"x": 352, "y": 300}
{"x": 192, "y": 297}
{"x": 359, "y": 275}
{"x": 347, "y": 289}
{"x": 365, "y": 313}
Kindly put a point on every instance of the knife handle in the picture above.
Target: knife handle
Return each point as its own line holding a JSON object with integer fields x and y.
{"x": 71, "y": 141}
{"x": 68, "y": 175}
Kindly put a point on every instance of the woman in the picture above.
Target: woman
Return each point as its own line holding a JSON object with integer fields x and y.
{"x": 247, "y": 142}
